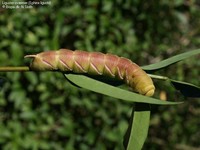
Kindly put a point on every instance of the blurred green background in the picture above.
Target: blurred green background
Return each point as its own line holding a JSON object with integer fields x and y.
{"x": 44, "y": 111}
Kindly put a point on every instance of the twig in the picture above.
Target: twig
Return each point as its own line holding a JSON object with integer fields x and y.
{"x": 14, "y": 69}
{"x": 158, "y": 77}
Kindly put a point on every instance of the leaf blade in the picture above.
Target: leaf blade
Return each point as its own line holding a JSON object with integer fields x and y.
{"x": 167, "y": 62}
{"x": 102, "y": 88}
{"x": 138, "y": 127}
{"x": 187, "y": 89}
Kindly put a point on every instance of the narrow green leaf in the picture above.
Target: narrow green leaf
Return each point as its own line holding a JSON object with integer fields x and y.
{"x": 187, "y": 89}
{"x": 170, "y": 61}
{"x": 138, "y": 127}
{"x": 100, "y": 87}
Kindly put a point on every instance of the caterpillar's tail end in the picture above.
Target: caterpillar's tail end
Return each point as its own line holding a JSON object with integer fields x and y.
{"x": 30, "y": 56}
{"x": 150, "y": 92}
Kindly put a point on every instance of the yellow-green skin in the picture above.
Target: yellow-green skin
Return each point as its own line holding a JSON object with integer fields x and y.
{"x": 95, "y": 63}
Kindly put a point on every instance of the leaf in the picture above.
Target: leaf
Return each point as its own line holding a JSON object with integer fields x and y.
{"x": 187, "y": 89}
{"x": 100, "y": 87}
{"x": 138, "y": 127}
{"x": 170, "y": 61}
{"x": 108, "y": 80}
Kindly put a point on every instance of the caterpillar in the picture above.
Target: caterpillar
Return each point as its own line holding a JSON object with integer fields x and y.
{"x": 94, "y": 63}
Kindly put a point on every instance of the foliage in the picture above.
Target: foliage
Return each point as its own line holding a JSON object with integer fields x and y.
{"x": 40, "y": 111}
{"x": 139, "y": 122}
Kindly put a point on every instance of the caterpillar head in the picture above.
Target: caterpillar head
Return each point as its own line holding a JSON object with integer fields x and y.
{"x": 43, "y": 61}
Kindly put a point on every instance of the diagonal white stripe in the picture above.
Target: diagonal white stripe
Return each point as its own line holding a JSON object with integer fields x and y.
{"x": 95, "y": 68}
{"x": 119, "y": 73}
{"x": 62, "y": 62}
{"x": 108, "y": 69}
{"x": 79, "y": 66}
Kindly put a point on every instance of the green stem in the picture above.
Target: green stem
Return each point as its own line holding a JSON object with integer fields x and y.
{"x": 14, "y": 69}
{"x": 158, "y": 77}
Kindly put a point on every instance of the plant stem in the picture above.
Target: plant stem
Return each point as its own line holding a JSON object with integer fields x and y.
{"x": 14, "y": 69}
{"x": 158, "y": 77}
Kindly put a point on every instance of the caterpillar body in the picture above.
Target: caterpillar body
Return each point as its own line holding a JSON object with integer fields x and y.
{"x": 94, "y": 63}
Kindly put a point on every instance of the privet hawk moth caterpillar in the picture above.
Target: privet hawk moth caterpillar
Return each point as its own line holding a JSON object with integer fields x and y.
{"x": 94, "y": 63}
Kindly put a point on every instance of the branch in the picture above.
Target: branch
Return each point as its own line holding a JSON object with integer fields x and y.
{"x": 14, "y": 69}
